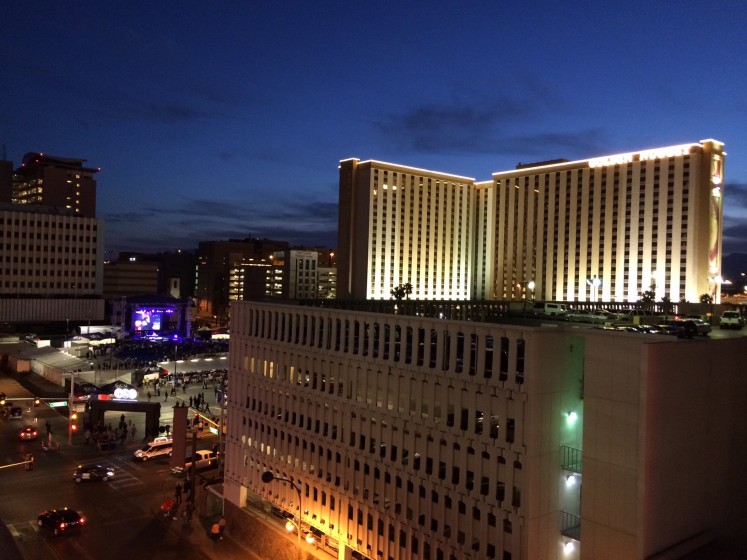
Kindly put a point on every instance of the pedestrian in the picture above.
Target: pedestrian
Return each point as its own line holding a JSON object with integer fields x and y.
{"x": 207, "y": 408}
{"x": 190, "y": 402}
{"x": 148, "y": 393}
{"x": 165, "y": 396}
{"x": 178, "y": 493}
{"x": 215, "y": 532}
{"x": 132, "y": 433}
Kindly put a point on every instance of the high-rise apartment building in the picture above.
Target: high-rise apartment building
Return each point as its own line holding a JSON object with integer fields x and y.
{"x": 56, "y": 181}
{"x": 606, "y": 228}
{"x": 404, "y": 436}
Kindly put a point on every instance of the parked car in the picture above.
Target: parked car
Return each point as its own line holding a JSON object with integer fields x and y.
{"x": 206, "y": 459}
{"x": 28, "y": 433}
{"x": 702, "y": 327}
{"x": 580, "y": 316}
{"x": 731, "y": 320}
{"x": 550, "y": 309}
{"x": 93, "y": 472}
{"x": 60, "y": 521}
{"x": 687, "y": 328}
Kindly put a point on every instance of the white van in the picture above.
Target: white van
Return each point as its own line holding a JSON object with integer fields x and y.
{"x": 550, "y": 309}
{"x": 157, "y": 447}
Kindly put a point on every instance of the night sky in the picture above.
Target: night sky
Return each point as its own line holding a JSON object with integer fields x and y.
{"x": 218, "y": 120}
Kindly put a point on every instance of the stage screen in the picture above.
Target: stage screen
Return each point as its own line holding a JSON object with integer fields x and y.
{"x": 147, "y": 320}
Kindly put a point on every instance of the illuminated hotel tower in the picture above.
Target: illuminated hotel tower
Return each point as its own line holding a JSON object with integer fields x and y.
{"x": 605, "y": 229}
{"x": 400, "y": 225}
{"x": 602, "y": 229}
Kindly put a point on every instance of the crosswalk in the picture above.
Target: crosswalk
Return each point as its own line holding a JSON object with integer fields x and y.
{"x": 24, "y": 530}
{"x": 125, "y": 474}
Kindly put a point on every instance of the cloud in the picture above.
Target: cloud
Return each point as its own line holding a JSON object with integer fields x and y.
{"x": 552, "y": 145}
{"x": 440, "y": 127}
{"x": 190, "y": 221}
{"x": 735, "y": 195}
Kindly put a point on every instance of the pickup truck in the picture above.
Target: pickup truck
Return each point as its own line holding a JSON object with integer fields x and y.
{"x": 731, "y": 320}
{"x": 206, "y": 459}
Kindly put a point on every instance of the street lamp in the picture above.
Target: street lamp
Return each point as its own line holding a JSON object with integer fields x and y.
{"x": 268, "y": 477}
{"x": 594, "y": 282}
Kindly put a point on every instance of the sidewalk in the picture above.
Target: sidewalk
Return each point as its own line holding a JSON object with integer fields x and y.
{"x": 198, "y": 535}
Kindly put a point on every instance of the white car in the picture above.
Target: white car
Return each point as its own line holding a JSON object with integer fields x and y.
{"x": 731, "y": 320}
{"x": 206, "y": 459}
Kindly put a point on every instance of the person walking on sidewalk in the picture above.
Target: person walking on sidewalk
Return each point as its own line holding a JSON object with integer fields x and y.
{"x": 178, "y": 493}
{"x": 215, "y": 532}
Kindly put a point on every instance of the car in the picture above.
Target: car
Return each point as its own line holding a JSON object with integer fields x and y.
{"x": 156, "y": 448}
{"x": 28, "y": 433}
{"x": 61, "y": 520}
{"x": 579, "y": 316}
{"x": 205, "y": 459}
{"x": 687, "y": 328}
{"x": 731, "y": 320}
{"x": 93, "y": 472}
{"x": 15, "y": 413}
{"x": 702, "y": 327}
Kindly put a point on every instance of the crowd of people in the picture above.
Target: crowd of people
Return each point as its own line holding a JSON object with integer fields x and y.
{"x": 108, "y": 437}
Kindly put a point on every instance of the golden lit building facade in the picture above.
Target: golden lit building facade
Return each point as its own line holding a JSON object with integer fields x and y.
{"x": 400, "y": 225}
{"x": 602, "y": 229}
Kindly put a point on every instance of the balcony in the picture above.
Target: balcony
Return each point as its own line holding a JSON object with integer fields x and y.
{"x": 570, "y": 525}
{"x": 571, "y": 458}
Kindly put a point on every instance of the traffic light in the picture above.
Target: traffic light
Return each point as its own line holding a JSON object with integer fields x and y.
{"x": 3, "y": 396}
{"x": 37, "y": 401}
{"x": 74, "y": 427}
{"x": 74, "y": 416}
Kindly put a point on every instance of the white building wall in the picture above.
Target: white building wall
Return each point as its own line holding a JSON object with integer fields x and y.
{"x": 406, "y": 440}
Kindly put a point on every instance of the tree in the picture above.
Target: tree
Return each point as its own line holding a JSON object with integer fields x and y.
{"x": 706, "y": 298}
{"x": 648, "y": 298}
{"x": 402, "y": 291}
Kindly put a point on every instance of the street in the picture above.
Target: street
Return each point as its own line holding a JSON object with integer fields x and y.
{"x": 120, "y": 513}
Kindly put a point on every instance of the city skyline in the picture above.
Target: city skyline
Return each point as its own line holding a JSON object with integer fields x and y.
{"x": 230, "y": 122}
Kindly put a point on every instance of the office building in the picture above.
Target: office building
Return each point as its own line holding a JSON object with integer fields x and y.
{"x": 601, "y": 229}
{"x": 402, "y": 436}
{"x": 55, "y": 181}
{"x": 219, "y": 266}
{"x": 50, "y": 265}
{"x": 308, "y": 277}
{"x": 130, "y": 277}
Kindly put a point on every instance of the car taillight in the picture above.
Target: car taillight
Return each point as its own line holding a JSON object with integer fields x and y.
{"x": 82, "y": 521}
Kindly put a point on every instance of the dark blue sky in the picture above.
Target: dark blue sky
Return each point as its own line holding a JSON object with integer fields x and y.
{"x": 216, "y": 120}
